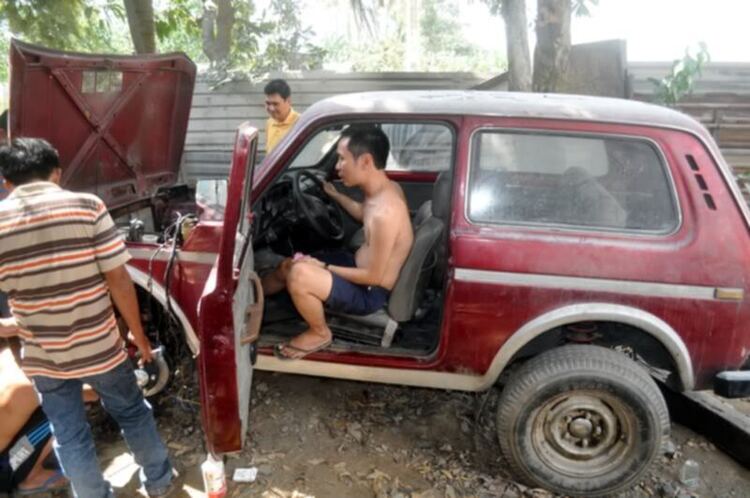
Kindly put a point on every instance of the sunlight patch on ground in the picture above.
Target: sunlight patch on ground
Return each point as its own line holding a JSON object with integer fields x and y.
{"x": 193, "y": 492}
{"x": 121, "y": 470}
{"x": 280, "y": 493}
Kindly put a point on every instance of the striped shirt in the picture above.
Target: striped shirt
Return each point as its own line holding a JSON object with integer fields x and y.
{"x": 55, "y": 246}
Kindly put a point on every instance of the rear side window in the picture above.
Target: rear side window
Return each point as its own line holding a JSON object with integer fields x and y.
{"x": 578, "y": 181}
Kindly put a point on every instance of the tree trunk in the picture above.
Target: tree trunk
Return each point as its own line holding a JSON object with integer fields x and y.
{"x": 552, "y": 44}
{"x": 413, "y": 28}
{"x": 141, "y": 22}
{"x": 517, "y": 41}
{"x": 217, "y": 23}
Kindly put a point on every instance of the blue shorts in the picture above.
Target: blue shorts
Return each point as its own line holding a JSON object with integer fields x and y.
{"x": 346, "y": 297}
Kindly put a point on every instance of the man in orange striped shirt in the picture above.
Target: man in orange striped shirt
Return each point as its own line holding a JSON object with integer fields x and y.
{"x": 62, "y": 264}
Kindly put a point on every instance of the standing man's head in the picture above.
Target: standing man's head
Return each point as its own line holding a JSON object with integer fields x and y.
{"x": 278, "y": 99}
{"x": 362, "y": 150}
{"x": 26, "y": 160}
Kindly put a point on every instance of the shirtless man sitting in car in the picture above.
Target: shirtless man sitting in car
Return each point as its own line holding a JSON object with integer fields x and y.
{"x": 359, "y": 283}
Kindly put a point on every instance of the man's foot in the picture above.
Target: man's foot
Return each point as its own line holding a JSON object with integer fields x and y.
{"x": 302, "y": 345}
{"x": 172, "y": 490}
{"x": 49, "y": 481}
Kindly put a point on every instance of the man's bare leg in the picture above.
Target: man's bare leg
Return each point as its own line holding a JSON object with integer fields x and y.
{"x": 18, "y": 401}
{"x": 276, "y": 280}
{"x": 309, "y": 285}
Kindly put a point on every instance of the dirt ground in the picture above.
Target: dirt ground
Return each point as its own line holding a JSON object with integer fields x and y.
{"x": 327, "y": 438}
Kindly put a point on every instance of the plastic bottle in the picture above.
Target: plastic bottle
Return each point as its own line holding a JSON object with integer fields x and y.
{"x": 214, "y": 480}
{"x": 690, "y": 474}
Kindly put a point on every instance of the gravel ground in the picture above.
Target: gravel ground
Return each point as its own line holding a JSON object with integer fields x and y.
{"x": 327, "y": 438}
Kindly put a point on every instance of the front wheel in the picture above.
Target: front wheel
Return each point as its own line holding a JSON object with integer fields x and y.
{"x": 581, "y": 420}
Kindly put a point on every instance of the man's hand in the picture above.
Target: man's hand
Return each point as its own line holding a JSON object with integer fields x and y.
{"x": 123, "y": 295}
{"x": 143, "y": 345}
{"x": 8, "y": 327}
{"x": 144, "y": 348}
{"x": 329, "y": 189}
{"x": 311, "y": 260}
{"x": 351, "y": 206}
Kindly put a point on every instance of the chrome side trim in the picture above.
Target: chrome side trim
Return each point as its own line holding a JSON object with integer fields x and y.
{"x": 203, "y": 258}
{"x": 587, "y": 312}
{"x": 157, "y": 291}
{"x": 399, "y": 376}
{"x": 631, "y": 287}
{"x": 464, "y": 382}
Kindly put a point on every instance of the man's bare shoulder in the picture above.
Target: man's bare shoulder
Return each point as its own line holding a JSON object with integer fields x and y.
{"x": 396, "y": 188}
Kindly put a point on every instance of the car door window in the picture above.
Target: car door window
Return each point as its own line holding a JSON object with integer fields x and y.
{"x": 419, "y": 147}
{"x": 414, "y": 146}
{"x": 579, "y": 181}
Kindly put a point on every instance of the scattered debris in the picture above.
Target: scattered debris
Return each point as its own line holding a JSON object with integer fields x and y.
{"x": 245, "y": 475}
{"x": 319, "y": 437}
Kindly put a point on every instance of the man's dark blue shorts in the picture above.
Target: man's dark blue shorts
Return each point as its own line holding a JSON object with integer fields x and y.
{"x": 347, "y": 297}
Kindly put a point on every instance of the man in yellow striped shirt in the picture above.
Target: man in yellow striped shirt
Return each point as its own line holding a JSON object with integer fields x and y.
{"x": 279, "y": 108}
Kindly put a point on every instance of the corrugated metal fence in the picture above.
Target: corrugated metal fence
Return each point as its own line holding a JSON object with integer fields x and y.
{"x": 216, "y": 112}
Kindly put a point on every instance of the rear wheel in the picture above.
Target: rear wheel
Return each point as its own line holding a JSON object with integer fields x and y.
{"x": 581, "y": 420}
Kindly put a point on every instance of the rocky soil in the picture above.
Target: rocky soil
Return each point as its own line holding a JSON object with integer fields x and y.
{"x": 327, "y": 438}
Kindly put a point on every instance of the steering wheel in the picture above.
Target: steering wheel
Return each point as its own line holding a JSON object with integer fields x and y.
{"x": 322, "y": 213}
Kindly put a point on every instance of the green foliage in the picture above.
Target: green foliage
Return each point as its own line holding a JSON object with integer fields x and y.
{"x": 275, "y": 40}
{"x": 443, "y": 47}
{"x": 681, "y": 78}
{"x": 77, "y": 25}
{"x": 580, "y": 8}
{"x": 64, "y": 24}
{"x": 178, "y": 28}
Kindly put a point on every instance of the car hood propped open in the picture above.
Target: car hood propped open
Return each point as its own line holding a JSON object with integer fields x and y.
{"x": 118, "y": 122}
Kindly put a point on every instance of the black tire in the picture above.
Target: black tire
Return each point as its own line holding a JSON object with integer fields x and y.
{"x": 581, "y": 420}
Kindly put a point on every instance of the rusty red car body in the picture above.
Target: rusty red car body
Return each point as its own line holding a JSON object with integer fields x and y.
{"x": 673, "y": 298}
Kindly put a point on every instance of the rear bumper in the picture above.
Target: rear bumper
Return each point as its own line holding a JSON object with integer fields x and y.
{"x": 732, "y": 384}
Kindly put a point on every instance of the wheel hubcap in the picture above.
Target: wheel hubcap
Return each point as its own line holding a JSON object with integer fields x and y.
{"x": 583, "y": 433}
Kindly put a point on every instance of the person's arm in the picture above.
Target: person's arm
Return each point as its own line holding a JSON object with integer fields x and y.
{"x": 111, "y": 256}
{"x": 351, "y": 206}
{"x": 383, "y": 239}
{"x": 122, "y": 290}
{"x": 8, "y": 327}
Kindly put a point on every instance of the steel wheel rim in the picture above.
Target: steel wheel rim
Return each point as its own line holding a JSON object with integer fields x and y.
{"x": 583, "y": 434}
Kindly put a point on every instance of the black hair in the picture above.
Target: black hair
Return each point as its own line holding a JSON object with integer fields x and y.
{"x": 27, "y": 159}
{"x": 280, "y": 87}
{"x": 368, "y": 139}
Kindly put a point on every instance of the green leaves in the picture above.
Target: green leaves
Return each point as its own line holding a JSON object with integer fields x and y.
{"x": 681, "y": 78}
{"x": 78, "y": 25}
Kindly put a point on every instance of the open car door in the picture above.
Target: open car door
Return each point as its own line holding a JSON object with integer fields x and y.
{"x": 230, "y": 312}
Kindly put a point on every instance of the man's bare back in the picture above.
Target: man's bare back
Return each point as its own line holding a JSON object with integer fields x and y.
{"x": 390, "y": 205}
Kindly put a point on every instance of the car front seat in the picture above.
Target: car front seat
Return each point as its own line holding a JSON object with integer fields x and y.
{"x": 408, "y": 291}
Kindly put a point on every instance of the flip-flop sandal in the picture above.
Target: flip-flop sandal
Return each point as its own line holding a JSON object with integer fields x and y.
{"x": 49, "y": 486}
{"x": 278, "y": 350}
